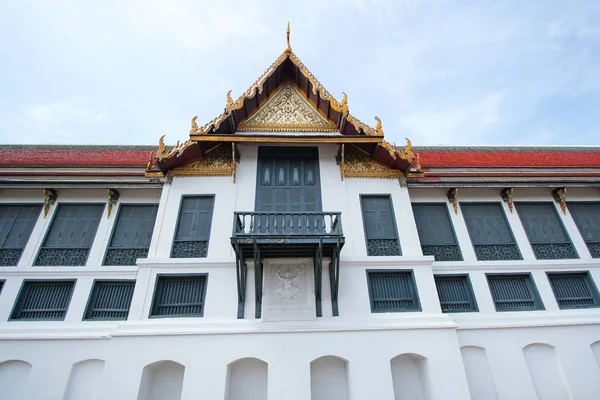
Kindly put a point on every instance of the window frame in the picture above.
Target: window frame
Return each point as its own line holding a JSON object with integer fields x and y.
{"x": 24, "y": 204}
{"x": 537, "y": 299}
{"x": 212, "y": 214}
{"x": 88, "y": 303}
{"x": 470, "y": 292}
{"x": 416, "y": 299}
{"x": 114, "y": 227}
{"x": 452, "y": 229}
{"x": 503, "y": 212}
{"x": 393, "y": 213}
{"x": 587, "y": 243}
{"x": 19, "y": 302}
{"x": 589, "y": 282}
{"x": 49, "y": 228}
{"x": 153, "y": 304}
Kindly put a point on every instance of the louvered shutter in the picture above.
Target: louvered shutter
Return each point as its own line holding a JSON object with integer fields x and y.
{"x": 587, "y": 219}
{"x": 380, "y": 226}
{"x": 514, "y": 292}
{"x": 574, "y": 290}
{"x": 193, "y": 228}
{"x": 45, "y": 300}
{"x": 16, "y": 225}
{"x": 545, "y": 231}
{"x": 435, "y": 232}
{"x": 179, "y": 296}
{"x": 110, "y": 300}
{"x": 455, "y": 293}
{"x": 132, "y": 234}
{"x": 393, "y": 291}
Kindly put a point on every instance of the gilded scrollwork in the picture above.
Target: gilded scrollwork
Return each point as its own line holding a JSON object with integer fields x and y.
{"x": 453, "y": 199}
{"x": 216, "y": 162}
{"x": 113, "y": 197}
{"x": 507, "y": 197}
{"x": 560, "y": 196}
{"x": 357, "y": 163}
{"x": 50, "y": 198}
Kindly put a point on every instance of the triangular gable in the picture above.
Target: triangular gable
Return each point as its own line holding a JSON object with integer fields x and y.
{"x": 287, "y": 110}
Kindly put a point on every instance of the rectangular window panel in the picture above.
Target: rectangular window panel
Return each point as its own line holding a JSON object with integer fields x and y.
{"x": 436, "y": 232}
{"x": 71, "y": 234}
{"x": 179, "y": 296}
{"x": 16, "y": 224}
{"x": 110, "y": 300}
{"x": 489, "y": 232}
{"x": 131, "y": 235}
{"x": 574, "y": 290}
{"x": 393, "y": 291}
{"x": 455, "y": 293}
{"x": 380, "y": 226}
{"x": 43, "y": 300}
{"x": 545, "y": 231}
{"x": 193, "y": 227}
{"x": 514, "y": 292}
{"x": 587, "y": 219}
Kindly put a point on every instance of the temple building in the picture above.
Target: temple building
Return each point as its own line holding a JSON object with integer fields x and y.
{"x": 286, "y": 250}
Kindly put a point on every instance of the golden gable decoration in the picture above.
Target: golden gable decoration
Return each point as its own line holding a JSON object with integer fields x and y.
{"x": 357, "y": 163}
{"x": 287, "y": 110}
{"x": 218, "y": 161}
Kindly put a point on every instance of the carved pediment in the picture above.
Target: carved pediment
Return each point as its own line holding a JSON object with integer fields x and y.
{"x": 218, "y": 161}
{"x": 287, "y": 110}
{"x": 358, "y": 164}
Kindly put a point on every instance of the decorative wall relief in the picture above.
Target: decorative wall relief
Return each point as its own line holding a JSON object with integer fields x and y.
{"x": 288, "y": 289}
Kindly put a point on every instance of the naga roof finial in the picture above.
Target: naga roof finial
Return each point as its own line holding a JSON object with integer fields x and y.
{"x": 288, "y": 48}
{"x": 378, "y": 128}
{"x": 229, "y": 105}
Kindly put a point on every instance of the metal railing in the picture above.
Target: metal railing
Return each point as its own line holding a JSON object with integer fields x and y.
{"x": 301, "y": 224}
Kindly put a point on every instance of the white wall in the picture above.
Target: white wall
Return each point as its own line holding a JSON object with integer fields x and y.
{"x": 329, "y": 379}
{"x": 247, "y": 379}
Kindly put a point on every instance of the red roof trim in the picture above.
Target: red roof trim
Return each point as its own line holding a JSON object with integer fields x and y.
{"x": 441, "y": 159}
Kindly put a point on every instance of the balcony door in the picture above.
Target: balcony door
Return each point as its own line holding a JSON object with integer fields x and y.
{"x": 288, "y": 181}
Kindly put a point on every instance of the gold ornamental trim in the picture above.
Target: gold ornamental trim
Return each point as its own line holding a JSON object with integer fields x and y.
{"x": 287, "y": 110}
{"x": 216, "y": 162}
{"x": 285, "y": 139}
{"x": 356, "y": 163}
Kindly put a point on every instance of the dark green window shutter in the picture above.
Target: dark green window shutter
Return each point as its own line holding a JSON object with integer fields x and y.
{"x": 193, "y": 227}
{"x": 392, "y": 291}
{"x": 43, "y": 300}
{"x": 380, "y": 226}
{"x": 131, "y": 235}
{"x": 71, "y": 235}
{"x": 545, "y": 231}
{"x": 514, "y": 292}
{"x": 574, "y": 289}
{"x": 110, "y": 300}
{"x": 436, "y": 232}
{"x": 179, "y": 296}
{"x": 489, "y": 232}
{"x": 587, "y": 219}
{"x": 455, "y": 293}
{"x": 16, "y": 225}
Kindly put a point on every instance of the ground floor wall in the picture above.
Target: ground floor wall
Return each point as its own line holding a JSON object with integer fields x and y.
{"x": 389, "y": 364}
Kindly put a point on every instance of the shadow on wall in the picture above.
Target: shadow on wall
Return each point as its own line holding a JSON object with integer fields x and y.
{"x": 479, "y": 374}
{"x": 162, "y": 380}
{"x": 329, "y": 378}
{"x": 596, "y": 350}
{"x": 14, "y": 379}
{"x": 84, "y": 380}
{"x": 546, "y": 372}
{"x": 410, "y": 377}
{"x": 246, "y": 379}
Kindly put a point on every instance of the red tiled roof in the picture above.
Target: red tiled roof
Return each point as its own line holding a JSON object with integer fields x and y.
{"x": 491, "y": 158}
{"x": 74, "y": 157}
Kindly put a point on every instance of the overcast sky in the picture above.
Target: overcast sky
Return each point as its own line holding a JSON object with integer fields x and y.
{"x": 439, "y": 72}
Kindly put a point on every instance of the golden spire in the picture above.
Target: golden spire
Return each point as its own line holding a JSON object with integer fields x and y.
{"x": 288, "y": 48}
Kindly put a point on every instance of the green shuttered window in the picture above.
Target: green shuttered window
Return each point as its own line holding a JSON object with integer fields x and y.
{"x": 435, "y": 231}
{"x": 489, "y": 232}
{"x": 514, "y": 292}
{"x": 131, "y": 235}
{"x": 16, "y": 224}
{"x": 587, "y": 219}
{"x": 380, "y": 226}
{"x": 179, "y": 296}
{"x": 574, "y": 290}
{"x": 193, "y": 227}
{"x": 545, "y": 231}
{"x": 110, "y": 300}
{"x": 43, "y": 300}
{"x": 455, "y": 293}
{"x": 392, "y": 291}
{"x": 71, "y": 235}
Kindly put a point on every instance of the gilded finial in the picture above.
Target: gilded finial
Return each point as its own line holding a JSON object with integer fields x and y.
{"x": 229, "y": 102}
{"x": 288, "y": 48}
{"x": 194, "y": 125}
{"x": 162, "y": 149}
{"x": 378, "y": 128}
{"x": 345, "y": 104}
{"x": 408, "y": 148}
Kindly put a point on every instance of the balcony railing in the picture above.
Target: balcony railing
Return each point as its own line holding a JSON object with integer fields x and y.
{"x": 287, "y": 224}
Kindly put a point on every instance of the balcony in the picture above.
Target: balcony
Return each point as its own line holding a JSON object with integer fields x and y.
{"x": 257, "y": 235}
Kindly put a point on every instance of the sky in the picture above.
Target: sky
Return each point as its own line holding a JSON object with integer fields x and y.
{"x": 440, "y": 72}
